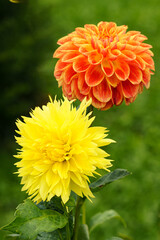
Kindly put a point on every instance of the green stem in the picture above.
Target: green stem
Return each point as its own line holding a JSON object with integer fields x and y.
{"x": 80, "y": 202}
{"x": 84, "y": 214}
{"x": 60, "y": 235}
{"x": 68, "y": 231}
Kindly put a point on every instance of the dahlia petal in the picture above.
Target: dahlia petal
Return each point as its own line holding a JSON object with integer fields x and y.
{"x": 64, "y": 40}
{"x": 128, "y": 47}
{"x": 81, "y": 64}
{"x": 122, "y": 70}
{"x": 107, "y": 67}
{"x": 129, "y": 100}
{"x": 95, "y": 43}
{"x": 66, "y": 88}
{"x": 68, "y": 74}
{"x": 94, "y": 57}
{"x": 95, "y": 102}
{"x": 92, "y": 28}
{"x": 113, "y": 80}
{"x": 94, "y": 75}
{"x": 102, "y": 26}
{"x": 81, "y": 31}
{"x": 68, "y": 46}
{"x": 133, "y": 42}
{"x": 146, "y": 45}
{"x": 78, "y": 41}
{"x": 85, "y": 49}
{"x": 112, "y": 55}
{"x": 107, "y": 106}
{"x": 111, "y": 27}
{"x": 139, "y": 62}
{"x": 60, "y": 65}
{"x": 148, "y": 59}
{"x": 82, "y": 86}
{"x": 135, "y": 76}
{"x": 117, "y": 96}
{"x": 74, "y": 87}
{"x": 121, "y": 29}
{"x": 129, "y": 90}
{"x": 102, "y": 91}
{"x": 146, "y": 77}
{"x": 127, "y": 55}
{"x": 58, "y": 73}
{"x": 70, "y": 56}
{"x": 121, "y": 46}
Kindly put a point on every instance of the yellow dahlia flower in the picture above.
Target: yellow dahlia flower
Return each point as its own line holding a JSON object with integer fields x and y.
{"x": 60, "y": 150}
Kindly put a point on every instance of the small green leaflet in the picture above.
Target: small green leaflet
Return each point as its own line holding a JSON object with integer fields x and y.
{"x": 83, "y": 232}
{"x": 108, "y": 178}
{"x": 30, "y": 220}
{"x": 102, "y": 217}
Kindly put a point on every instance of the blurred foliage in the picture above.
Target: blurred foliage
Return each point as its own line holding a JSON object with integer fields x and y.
{"x": 29, "y": 32}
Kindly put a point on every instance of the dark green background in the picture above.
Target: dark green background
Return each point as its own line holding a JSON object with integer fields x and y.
{"x": 28, "y": 36}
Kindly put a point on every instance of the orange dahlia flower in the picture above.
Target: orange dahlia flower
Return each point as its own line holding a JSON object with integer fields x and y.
{"x": 105, "y": 63}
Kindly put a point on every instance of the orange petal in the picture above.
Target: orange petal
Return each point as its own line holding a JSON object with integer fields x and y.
{"x": 57, "y": 73}
{"x": 82, "y": 86}
{"x": 107, "y": 106}
{"x": 81, "y": 64}
{"x": 78, "y": 41}
{"x": 60, "y": 65}
{"x": 146, "y": 78}
{"x": 135, "y": 76}
{"x": 117, "y": 96}
{"x": 64, "y": 40}
{"x": 139, "y": 62}
{"x": 102, "y": 26}
{"x": 94, "y": 57}
{"x": 112, "y": 55}
{"x": 66, "y": 88}
{"x": 70, "y": 56}
{"x": 94, "y": 75}
{"x": 81, "y": 31}
{"x": 129, "y": 90}
{"x": 68, "y": 46}
{"x": 102, "y": 92}
{"x": 74, "y": 88}
{"x": 85, "y": 49}
{"x": 107, "y": 67}
{"x": 68, "y": 74}
{"x": 91, "y": 28}
{"x": 95, "y": 43}
{"x": 127, "y": 55}
{"x": 129, "y": 100}
{"x": 122, "y": 70}
{"x": 95, "y": 102}
{"x": 148, "y": 59}
{"x": 111, "y": 27}
{"x": 113, "y": 80}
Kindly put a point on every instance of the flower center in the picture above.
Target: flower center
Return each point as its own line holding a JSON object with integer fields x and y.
{"x": 57, "y": 153}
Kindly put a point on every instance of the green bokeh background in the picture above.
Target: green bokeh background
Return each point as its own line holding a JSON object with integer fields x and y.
{"x": 29, "y": 33}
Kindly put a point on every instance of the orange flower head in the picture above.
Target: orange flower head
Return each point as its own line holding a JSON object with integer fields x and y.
{"x": 105, "y": 63}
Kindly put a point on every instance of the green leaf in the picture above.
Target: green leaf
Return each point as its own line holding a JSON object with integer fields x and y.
{"x": 83, "y": 232}
{"x": 100, "y": 218}
{"x": 108, "y": 178}
{"x": 115, "y": 238}
{"x": 71, "y": 202}
{"x": 12, "y": 237}
{"x": 30, "y": 220}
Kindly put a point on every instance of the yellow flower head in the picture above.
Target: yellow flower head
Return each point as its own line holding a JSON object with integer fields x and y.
{"x": 60, "y": 150}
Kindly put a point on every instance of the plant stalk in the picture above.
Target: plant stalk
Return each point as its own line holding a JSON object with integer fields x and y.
{"x": 80, "y": 202}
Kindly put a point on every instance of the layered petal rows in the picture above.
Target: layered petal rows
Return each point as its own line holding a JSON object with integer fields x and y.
{"x": 60, "y": 151}
{"x": 105, "y": 63}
